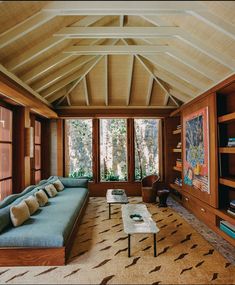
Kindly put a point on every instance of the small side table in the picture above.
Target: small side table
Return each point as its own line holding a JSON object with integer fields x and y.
{"x": 115, "y": 199}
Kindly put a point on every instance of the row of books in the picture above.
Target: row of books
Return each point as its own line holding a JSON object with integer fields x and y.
{"x": 178, "y": 181}
{"x": 231, "y": 142}
{"x": 231, "y": 208}
{"x": 228, "y": 228}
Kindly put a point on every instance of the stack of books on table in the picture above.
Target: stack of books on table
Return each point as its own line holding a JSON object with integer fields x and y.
{"x": 178, "y": 181}
{"x": 231, "y": 208}
{"x": 231, "y": 142}
{"x": 228, "y": 228}
{"x": 178, "y": 163}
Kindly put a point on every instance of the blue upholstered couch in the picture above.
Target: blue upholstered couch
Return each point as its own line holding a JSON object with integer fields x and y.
{"x": 51, "y": 225}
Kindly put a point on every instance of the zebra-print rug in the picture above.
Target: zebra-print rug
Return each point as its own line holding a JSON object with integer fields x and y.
{"x": 99, "y": 254}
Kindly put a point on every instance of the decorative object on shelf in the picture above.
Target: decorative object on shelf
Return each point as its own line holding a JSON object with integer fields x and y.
{"x": 178, "y": 145}
{"x": 178, "y": 127}
{"x": 196, "y": 150}
{"x": 178, "y": 181}
{"x": 179, "y": 162}
{"x": 231, "y": 142}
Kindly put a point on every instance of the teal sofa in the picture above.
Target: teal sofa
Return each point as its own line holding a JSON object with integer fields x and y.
{"x": 46, "y": 238}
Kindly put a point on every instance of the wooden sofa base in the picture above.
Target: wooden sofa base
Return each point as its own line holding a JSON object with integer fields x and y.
{"x": 20, "y": 256}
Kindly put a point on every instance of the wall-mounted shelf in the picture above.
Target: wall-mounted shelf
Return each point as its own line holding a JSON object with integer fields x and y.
{"x": 227, "y": 181}
{"x": 177, "y": 150}
{"x": 227, "y": 118}
{"x": 177, "y": 168}
{"x": 176, "y": 187}
{"x": 227, "y": 150}
{"x": 175, "y": 132}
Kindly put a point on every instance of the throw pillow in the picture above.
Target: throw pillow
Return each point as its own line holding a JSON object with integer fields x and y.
{"x": 19, "y": 214}
{"x": 32, "y": 204}
{"x": 50, "y": 190}
{"x": 58, "y": 185}
{"x": 41, "y": 198}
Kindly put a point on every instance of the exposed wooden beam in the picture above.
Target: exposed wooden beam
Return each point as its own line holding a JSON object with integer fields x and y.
{"x": 57, "y": 95}
{"x": 130, "y": 80}
{"x": 82, "y": 73}
{"x": 186, "y": 37}
{"x": 119, "y": 7}
{"x": 149, "y": 90}
{"x": 106, "y": 84}
{"x": 215, "y": 22}
{"x": 46, "y": 66}
{"x": 121, "y": 20}
{"x": 117, "y": 32}
{"x": 107, "y": 49}
{"x": 156, "y": 79}
{"x": 44, "y": 46}
{"x": 155, "y": 20}
{"x": 21, "y": 83}
{"x": 86, "y": 91}
{"x": 60, "y": 73}
{"x": 185, "y": 76}
{"x": 68, "y": 99}
{"x": 25, "y": 27}
{"x": 180, "y": 95}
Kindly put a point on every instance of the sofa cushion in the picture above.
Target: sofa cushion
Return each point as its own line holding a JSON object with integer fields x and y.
{"x": 32, "y": 204}
{"x": 19, "y": 214}
{"x": 58, "y": 185}
{"x": 74, "y": 182}
{"x": 51, "y": 226}
{"x": 41, "y": 198}
{"x": 51, "y": 190}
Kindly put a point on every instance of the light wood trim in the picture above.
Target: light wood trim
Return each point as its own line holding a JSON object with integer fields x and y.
{"x": 227, "y": 150}
{"x": 117, "y": 32}
{"x": 119, "y": 7}
{"x": 106, "y": 78}
{"x": 177, "y": 132}
{"x": 25, "y": 27}
{"x": 149, "y": 90}
{"x": 86, "y": 91}
{"x": 227, "y": 181}
{"x": 130, "y": 80}
{"x": 226, "y": 216}
{"x": 177, "y": 150}
{"x": 180, "y": 95}
{"x": 106, "y": 49}
{"x": 227, "y": 118}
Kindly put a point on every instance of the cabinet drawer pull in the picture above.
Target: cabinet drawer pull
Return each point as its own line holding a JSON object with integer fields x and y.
{"x": 186, "y": 199}
{"x": 203, "y": 210}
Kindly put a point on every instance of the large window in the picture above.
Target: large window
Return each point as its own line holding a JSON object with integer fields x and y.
{"x": 113, "y": 150}
{"x": 146, "y": 135}
{"x": 5, "y": 152}
{"x": 37, "y": 151}
{"x": 78, "y": 150}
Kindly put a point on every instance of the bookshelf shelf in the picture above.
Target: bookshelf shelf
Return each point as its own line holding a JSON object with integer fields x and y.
{"x": 227, "y": 150}
{"x": 227, "y": 181}
{"x": 177, "y": 150}
{"x": 227, "y": 118}
{"x": 225, "y": 216}
{"x": 175, "y": 132}
{"x": 177, "y": 168}
{"x": 176, "y": 187}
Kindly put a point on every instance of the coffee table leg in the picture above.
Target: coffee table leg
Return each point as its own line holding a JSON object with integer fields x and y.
{"x": 155, "y": 245}
{"x": 129, "y": 245}
{"x": 109, "y": 211}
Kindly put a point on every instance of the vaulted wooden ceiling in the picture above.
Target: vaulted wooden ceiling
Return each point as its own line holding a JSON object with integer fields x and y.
{"x": 86, "y": 54}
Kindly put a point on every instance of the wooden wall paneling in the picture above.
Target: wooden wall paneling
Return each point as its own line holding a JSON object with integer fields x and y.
{"x": 212, "y": 198}
{"x": 32, "y": 159}
{"x": 96, "y": 150}
{"x": 60, "y": 147}
{"x": 45, "y": 144}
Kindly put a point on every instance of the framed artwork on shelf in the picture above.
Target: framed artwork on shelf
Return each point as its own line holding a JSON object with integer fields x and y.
{"x": 196, "y": 150}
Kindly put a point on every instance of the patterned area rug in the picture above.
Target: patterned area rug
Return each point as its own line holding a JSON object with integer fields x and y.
{"x": 99, "y": 254}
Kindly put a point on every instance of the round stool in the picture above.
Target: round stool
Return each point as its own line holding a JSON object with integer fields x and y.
{"x": 163, "y": 194}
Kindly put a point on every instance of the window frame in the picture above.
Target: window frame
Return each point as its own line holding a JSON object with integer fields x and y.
{"x": 130, "y": 147}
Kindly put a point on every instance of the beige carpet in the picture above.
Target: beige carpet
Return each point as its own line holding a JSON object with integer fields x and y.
{"x": 99, "y": 255}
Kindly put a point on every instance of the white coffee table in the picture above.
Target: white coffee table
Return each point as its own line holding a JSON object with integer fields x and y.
{"x": 115, "y": 199}
{"x": 138, "y": 227}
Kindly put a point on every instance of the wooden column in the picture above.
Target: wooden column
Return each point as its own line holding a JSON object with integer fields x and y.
{"x": 130, "y": 150}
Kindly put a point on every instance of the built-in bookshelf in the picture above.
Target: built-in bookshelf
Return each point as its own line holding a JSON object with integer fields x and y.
{"x": 226, "y": 158}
